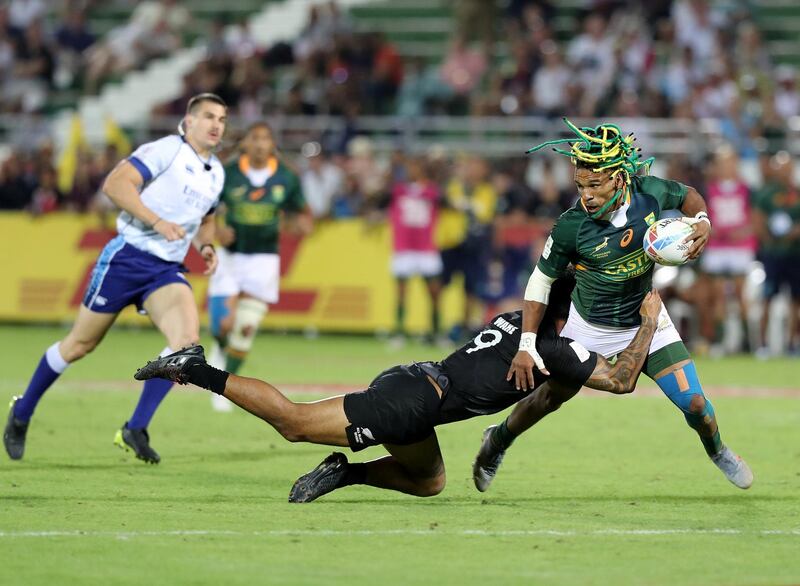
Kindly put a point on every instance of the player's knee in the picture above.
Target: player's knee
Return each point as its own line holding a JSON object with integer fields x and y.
{"x": 249, "y": 314}
{"x": 697, "y": 405}
{"x": 432, "y": 486}
{"x": 290, "y": 425}
{"x": 552, "y": 403}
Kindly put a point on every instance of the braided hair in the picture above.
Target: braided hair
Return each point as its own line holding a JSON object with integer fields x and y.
{"x": 602, "y": 148}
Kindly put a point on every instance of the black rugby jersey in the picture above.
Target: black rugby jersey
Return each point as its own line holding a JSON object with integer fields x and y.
{"x": 478, "y": 370}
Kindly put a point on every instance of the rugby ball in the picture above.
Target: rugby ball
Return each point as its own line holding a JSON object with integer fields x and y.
{"x": 665, "y": 241}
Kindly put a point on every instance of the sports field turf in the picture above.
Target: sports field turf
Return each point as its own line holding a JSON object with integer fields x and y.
{"x": 611, "y": 490}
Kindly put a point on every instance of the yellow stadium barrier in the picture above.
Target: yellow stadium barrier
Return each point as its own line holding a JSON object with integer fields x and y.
{"x": 336, "y": 280}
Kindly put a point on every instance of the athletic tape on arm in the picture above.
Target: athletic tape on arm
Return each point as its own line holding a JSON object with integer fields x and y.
{"x": 538, "y": 288}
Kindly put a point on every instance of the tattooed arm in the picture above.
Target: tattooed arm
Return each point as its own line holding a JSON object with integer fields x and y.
{"x": 621, "y": 377}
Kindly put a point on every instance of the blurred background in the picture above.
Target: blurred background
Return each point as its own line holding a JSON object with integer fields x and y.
{"x": 366, "y": 96}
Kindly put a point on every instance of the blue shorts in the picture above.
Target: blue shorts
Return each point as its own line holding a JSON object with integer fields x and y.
{"x": 124, "y": 275}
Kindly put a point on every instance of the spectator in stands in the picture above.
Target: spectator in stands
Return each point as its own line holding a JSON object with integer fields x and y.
{"x": 465, "y": 236}
{"x": 23, "y": 13}
{"x": 85, "y": 184}
{"x": 550, "y": 83}
{"x": 514, "y": 231}
{"x": 73, "y": 34}
{"x": 365, "y": 169}
{"x": 591, "y": 57}
{"x": 323, "y": 181}
{"x": 476, "y": 20}
{"x": 462, "y": 70}
{"x": 694, "y": 28}
{"x": 15, "y": 190}
{"x": 33, "y": 70}
{"x": 787, "y": 98}
{"x": 730, "y": 252}
{"x": 72, "y": 38}
{"x": 46, "y": 197}
{"x": 154, "y": 28}
{"x": 351, "y": 202}
{"x": 386, "y": 74}
{"x": 777, "y": 223}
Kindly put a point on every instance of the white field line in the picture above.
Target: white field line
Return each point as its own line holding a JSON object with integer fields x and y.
{"x": 18, "y": 386}
{"x": 393, "y": 532}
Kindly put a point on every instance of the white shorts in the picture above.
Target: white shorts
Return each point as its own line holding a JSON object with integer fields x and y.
{"x": 609, "y": 341}
{"x": 726, "y": 261}
{"x": 257, "y": 274}
{"x": 412, "y": 262}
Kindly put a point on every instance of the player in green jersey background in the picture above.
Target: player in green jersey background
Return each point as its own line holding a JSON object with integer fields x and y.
{"x": 602, "y": 237}
{"x": 259, "y": 189}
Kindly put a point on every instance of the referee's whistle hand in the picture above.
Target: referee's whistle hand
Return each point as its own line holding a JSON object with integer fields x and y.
{"x": 169, "y": 230}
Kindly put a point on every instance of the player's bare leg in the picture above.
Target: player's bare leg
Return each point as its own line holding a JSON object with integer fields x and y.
{"x": 173, "y": 311}
{"x": 87, "y": 332}
{"x": 416, "y": 469}
{"x": 318, "y": 422}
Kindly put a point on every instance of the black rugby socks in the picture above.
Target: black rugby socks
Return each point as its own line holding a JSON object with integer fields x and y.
{"x": 208, "y": 377}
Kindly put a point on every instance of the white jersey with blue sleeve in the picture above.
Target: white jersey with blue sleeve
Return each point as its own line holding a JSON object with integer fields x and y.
{"x": 178, "y": 186}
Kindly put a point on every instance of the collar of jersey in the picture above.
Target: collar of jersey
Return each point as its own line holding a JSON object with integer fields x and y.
{"x": 244, "y": 165}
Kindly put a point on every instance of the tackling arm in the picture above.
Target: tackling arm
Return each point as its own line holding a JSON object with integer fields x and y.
{"x": 620, "y": 378}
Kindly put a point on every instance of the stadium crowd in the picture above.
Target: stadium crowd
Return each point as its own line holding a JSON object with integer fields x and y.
{"x": 689, "y": 59}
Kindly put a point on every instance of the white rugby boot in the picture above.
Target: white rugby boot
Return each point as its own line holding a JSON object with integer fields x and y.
{"x": 733, "y": 467}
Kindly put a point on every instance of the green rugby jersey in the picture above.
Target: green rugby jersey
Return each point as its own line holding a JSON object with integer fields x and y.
{"x": 613, "y": 273}
{"x": 254, "y": 212}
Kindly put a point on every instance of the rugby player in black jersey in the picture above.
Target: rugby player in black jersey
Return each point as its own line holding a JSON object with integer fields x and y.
{"x": 404, "y": 404}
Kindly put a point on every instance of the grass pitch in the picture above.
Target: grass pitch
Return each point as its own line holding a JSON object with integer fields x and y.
{"x": 612, "y": 490}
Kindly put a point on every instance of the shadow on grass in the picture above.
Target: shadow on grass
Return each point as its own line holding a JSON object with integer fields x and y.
{"x": 711, "y": 500}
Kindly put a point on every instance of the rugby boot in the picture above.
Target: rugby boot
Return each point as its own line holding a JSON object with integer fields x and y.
{"x": 487, "y": 461}
{"x": 733, "y": 467}
{"x": 14, "y": 434}
{"x": 321, "y": 480}
{"x": 137, "y": 440}
{"x": 173, "y": 367}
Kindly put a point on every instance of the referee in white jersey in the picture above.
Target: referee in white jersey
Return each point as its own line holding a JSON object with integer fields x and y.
{"x": 167, "y": 191}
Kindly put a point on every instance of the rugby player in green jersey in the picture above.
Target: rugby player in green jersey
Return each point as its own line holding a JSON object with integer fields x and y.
{"x": 602, "y": 237}
{"x": 259, "y": 189}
